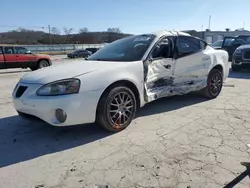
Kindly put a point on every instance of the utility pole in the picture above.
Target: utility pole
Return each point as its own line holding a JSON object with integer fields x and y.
{"x": 49, "y": 36}
{"x": 209, "y": 22}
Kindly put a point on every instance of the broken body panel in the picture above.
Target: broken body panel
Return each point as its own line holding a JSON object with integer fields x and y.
{"x": 178, "y": 74}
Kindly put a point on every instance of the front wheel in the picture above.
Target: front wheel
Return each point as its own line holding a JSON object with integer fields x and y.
{"x": 116, "y": 109}
{"x": 214, "y": 84}
{"x": 43, "y": 63}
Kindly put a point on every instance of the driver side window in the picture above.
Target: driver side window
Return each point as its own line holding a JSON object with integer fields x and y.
{"x": 162, "y": 49}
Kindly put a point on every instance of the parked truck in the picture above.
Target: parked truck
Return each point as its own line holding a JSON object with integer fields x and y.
{"x": 20, "y": 57}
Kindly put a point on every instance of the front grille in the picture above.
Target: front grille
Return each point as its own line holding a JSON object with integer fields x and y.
{"x": 246, "y": 54}
{"x": 20, "y": 91}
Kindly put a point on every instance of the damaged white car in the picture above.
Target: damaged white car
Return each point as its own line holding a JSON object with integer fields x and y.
{"x": 124, "y": 75}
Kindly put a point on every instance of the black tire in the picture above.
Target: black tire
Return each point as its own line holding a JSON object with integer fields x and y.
{"x": 212, "y": 90}
{"x": 105, "y": 110}
{"x": 43, "y": 63}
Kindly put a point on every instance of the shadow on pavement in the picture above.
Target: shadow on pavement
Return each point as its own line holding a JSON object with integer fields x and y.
{"x": 171, "y": 103}
{"x": 241, "y": 74}
{"x": 14, "y": 71}
{"x": 22, "y": 140}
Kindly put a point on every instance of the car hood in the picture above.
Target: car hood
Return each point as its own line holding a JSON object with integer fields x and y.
{"x": 67, "y": 70}
{"x": 246, "y": 46}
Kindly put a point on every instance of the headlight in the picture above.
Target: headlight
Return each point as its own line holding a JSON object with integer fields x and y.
{"x": 238, "y": 51}
{"x": 61, "y": 87}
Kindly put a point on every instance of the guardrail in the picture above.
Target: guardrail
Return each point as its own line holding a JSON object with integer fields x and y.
{"x": 60, "y": 48}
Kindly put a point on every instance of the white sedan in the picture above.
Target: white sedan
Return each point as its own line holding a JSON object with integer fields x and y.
{"x": 121, "y": 77}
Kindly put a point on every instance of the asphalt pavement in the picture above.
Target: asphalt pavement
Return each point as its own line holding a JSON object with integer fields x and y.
{"x": 184, "y": 141}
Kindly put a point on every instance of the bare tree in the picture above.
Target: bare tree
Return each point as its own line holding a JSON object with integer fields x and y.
{"x": 83, "y": 30}
{"x": 67, "y": 32}
{"x": 55, "y": 31}
{"x": 114, "y": 30}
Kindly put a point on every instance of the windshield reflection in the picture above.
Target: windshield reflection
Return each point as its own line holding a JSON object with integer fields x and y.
{"x": 131, "y": 48}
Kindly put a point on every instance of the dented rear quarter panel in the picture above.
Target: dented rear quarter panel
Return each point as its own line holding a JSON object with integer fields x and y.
{"x": 219, "y": 57}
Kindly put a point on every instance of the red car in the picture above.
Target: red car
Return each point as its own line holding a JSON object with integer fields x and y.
{"x": 20, "y": 57}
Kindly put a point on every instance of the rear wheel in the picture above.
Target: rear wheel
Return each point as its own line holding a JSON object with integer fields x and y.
{"x": 214, "y": 84}
{"x": 116, "y": 109}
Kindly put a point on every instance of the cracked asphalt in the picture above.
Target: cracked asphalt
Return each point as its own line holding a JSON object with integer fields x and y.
{"x": 182, "y": 142}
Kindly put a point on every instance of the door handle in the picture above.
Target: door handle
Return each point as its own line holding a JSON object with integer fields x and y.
{"x": 167, "y": 66}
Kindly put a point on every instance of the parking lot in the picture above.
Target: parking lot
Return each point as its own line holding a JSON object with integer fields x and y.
{"x": 184, "y": 141}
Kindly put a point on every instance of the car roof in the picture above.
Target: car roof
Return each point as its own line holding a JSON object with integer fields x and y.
{"x": 170, "y": 33}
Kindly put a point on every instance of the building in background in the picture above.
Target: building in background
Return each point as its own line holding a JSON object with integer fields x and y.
{"x": 213, "y": 36}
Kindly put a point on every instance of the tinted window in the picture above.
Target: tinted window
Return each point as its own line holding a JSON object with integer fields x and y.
{"x": 8, "y": 50}
{"x": 162, "y": 49}
{"x": 188, "y": 45}
{"x": 21, "y": 50}
{"x": 1, "y": 50}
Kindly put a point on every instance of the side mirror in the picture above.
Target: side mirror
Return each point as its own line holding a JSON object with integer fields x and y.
{"x": 28, "y": 52}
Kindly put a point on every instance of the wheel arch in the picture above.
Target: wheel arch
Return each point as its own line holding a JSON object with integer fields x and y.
{"x": 125, "y": 83}
{"x": 218, "y": 67}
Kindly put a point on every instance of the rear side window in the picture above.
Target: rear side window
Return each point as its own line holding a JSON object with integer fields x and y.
{"x": 203, "y": 44}
{"x": 188, "y": 45}
{"x": 1, "y": 52}
{"x": 8, "y": 50}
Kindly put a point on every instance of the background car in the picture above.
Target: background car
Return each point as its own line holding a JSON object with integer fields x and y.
{"x": 20, "y": 57}
{"x": 80, "y": 53}
{"x": 241, "y": 58}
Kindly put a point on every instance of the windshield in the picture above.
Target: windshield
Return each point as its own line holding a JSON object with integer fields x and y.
{"x": 131, "y": 48}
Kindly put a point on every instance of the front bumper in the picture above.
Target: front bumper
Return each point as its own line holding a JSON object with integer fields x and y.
{"x": 239, "y": 61}
{"x": 80, "y": 108}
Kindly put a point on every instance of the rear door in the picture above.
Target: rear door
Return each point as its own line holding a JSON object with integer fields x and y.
{"x": 1, "y": 58}
{"x": 191, "y": 64}
{"x": 10, "y": 57}
{"x": 23, "y": 58}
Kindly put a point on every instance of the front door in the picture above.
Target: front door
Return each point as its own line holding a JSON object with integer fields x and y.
{"x": 10, "y": 57}
{"x": 191, "y": 66}
{"x": 23, "y": 58}
{"x": 159, "y": 70}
